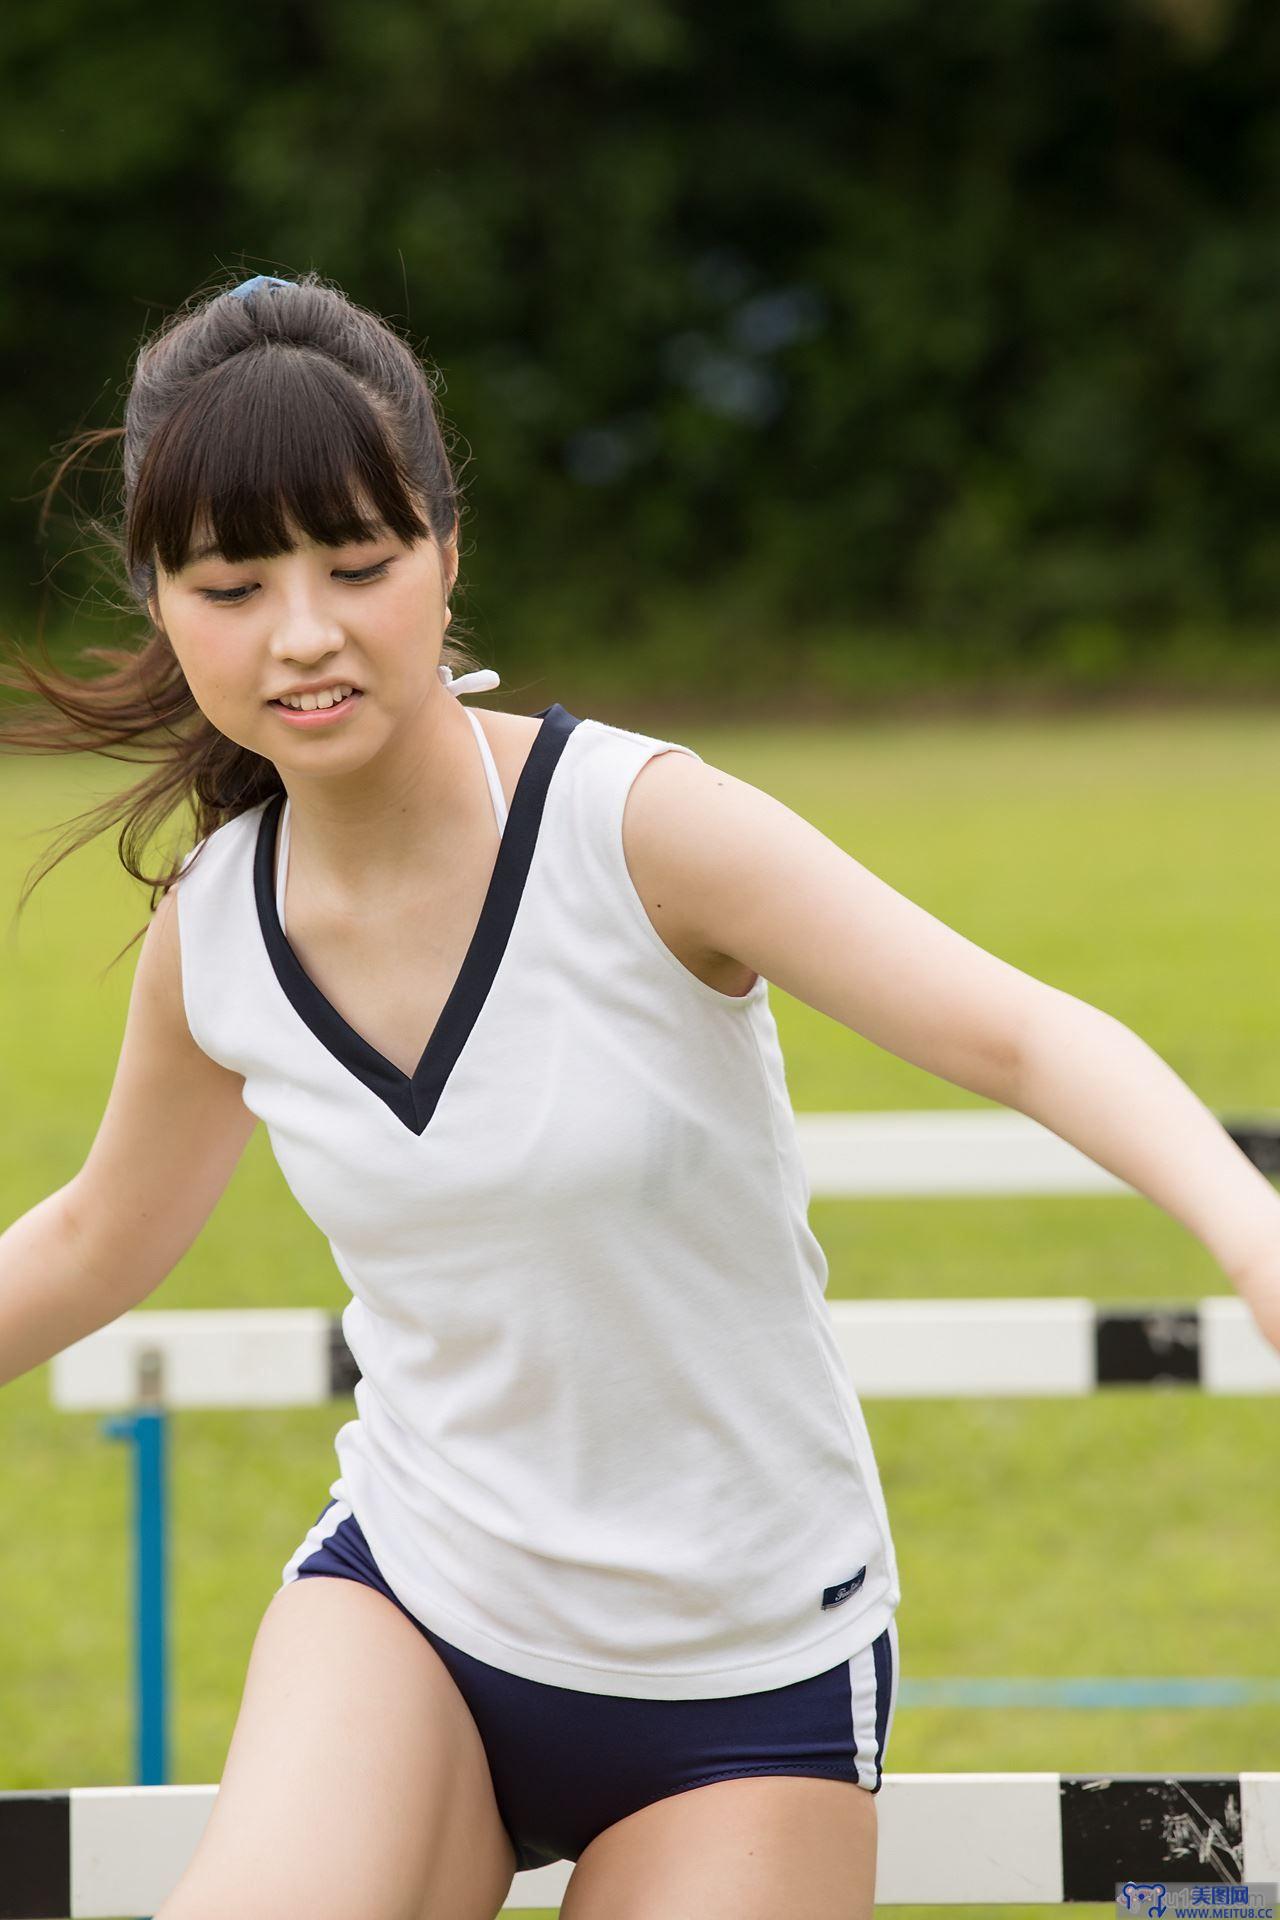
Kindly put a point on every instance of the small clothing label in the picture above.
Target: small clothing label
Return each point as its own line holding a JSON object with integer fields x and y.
{"x": 834, "y": 1595}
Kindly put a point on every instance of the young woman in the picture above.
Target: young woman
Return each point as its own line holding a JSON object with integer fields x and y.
{"x": 606, "y": 1572}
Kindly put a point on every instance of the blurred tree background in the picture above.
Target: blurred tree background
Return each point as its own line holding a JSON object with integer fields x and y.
{"x": 869, "y": 347}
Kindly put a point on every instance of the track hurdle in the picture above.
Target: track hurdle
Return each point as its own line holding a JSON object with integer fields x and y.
{"x": 894, "y": 1349}
{"x": 157, "y": 1360}
{"x": 153, "y": 1361}
{"x": 994, "y": 1839}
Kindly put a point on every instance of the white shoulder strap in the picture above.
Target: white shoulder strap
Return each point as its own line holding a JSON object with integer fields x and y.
{"x": 495, "y": 793}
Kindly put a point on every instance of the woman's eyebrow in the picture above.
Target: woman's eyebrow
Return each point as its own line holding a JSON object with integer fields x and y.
{"x": 213, "y": 551}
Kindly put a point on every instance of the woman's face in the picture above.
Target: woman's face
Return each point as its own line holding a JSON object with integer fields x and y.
{"x": 369, "y": 615}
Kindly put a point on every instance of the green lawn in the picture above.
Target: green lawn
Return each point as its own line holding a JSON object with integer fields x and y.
{"x": 1132, "y": 861}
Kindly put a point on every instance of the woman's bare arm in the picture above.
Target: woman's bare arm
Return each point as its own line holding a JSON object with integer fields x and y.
{"x": 741, "y": 875}
{"x": 174, "y": 1127}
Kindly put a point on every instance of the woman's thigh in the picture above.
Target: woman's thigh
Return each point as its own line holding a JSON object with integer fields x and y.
{"x": 355, "y": 1782}
{"x": 777, "y": 1837}
{"x": 743, "y": 1849}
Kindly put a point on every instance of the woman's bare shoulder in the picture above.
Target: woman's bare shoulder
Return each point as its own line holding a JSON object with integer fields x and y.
{"x": 666, "y": 799}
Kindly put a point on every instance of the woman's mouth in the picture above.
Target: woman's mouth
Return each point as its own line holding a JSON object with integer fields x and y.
{"x": 317, "y": 716}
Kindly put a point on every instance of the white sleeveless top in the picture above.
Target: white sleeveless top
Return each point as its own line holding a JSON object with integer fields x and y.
{"x": 604, "y": 1436}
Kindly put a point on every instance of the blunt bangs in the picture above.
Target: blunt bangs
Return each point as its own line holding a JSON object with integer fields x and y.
{"x": 275, "y": 439}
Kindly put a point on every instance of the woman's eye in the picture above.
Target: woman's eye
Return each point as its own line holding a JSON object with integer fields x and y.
{"x": 232, "y": 596}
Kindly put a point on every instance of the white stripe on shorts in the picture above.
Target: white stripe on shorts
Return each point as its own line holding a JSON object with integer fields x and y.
{"x": 866, "y": 1698}
{"x": 328, "y": 1523}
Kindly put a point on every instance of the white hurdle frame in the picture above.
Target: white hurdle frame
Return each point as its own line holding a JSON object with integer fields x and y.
{"x": 894, "y": 1349}
{"x": 994, "y": 1839}
{"x": 997, "y": 1151}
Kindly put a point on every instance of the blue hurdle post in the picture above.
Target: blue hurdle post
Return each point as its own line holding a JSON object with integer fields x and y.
{"x": 147, "y": 1428}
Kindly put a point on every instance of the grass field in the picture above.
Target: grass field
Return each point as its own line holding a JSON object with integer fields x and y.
{"x": 1130, "y": 860}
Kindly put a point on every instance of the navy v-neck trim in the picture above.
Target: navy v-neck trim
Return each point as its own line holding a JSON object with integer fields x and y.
{"x": 413, "y": 1098}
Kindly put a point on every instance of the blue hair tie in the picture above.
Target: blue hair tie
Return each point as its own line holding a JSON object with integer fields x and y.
{"x": 247, "y": 287}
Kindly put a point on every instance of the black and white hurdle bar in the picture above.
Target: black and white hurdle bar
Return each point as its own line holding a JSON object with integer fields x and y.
{"x": 994, "y": 1839}
{"x": 894, "y": 1349}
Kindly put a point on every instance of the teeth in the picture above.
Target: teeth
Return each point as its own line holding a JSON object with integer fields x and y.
{"x": 309, "y": 702}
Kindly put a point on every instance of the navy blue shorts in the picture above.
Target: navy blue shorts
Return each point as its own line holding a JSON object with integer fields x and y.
{"x": 565, "y": 1764}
